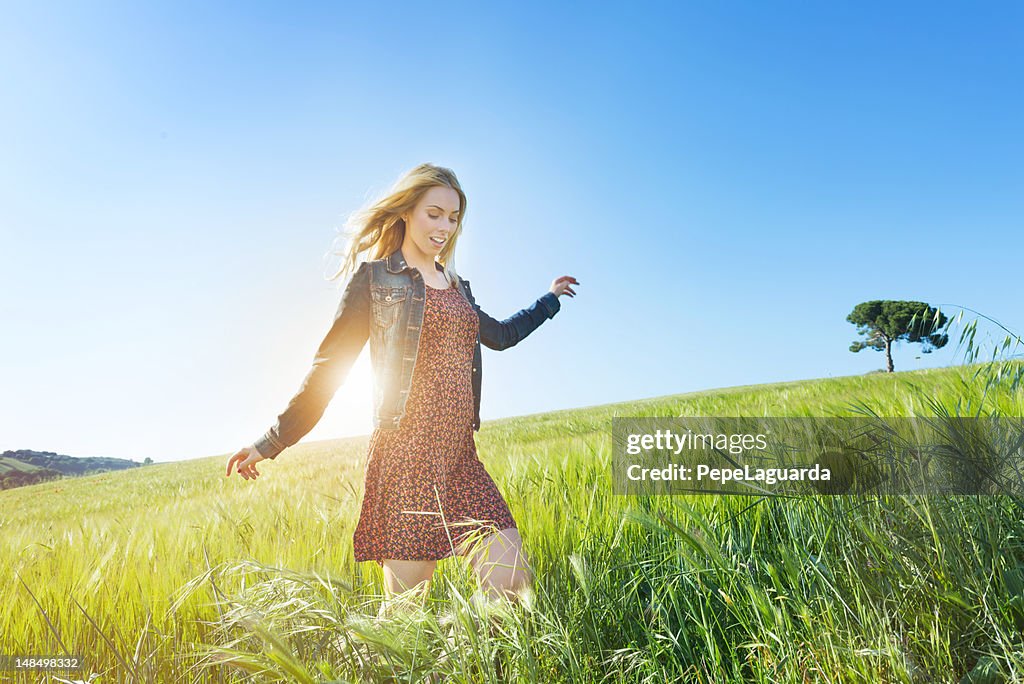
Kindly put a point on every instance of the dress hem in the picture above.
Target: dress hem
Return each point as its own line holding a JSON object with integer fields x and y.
{"x": 450, "y": 554}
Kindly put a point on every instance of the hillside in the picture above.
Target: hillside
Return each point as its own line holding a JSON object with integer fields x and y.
{"x": 144, "y": 570}
{"x": 26, "y": 467}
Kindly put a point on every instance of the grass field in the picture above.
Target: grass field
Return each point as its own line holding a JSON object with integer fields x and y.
{"x": 175, "y": 573}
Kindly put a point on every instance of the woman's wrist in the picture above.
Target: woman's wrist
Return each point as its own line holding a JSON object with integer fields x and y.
{"x": 265, "y": 448}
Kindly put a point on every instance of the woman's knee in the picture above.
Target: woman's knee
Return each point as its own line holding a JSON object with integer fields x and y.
{"x": 401, "y": 576}
{"x": 502, "y": 564}
{"x": 511, "y": 582}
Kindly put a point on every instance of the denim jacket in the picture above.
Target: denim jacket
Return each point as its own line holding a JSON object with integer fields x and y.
{"x": 383, "y": 302}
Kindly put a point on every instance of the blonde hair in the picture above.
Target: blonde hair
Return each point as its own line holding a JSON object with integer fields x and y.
{"x": 377, "y": 229}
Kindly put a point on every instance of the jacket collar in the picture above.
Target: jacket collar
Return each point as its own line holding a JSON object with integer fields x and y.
{"x": 396, "y": 262}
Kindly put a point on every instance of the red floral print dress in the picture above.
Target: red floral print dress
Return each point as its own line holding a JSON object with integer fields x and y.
{"x": 424, "y": 484}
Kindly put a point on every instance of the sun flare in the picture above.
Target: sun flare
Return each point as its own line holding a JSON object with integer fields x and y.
{"x": 351, "y": 410}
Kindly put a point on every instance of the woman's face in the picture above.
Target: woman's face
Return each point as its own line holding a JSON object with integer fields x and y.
{"x": 432, "y": 221}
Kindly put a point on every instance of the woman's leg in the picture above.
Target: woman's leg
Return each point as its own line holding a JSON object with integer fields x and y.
{"x": 501, "y": 564}
{"x": 403, "y": 578}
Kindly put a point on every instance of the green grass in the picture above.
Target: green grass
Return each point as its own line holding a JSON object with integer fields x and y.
{"x": 174, "y": 572}
{"x": 10, "y": 464}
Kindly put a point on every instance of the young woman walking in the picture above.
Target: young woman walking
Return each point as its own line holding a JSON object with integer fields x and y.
{"x": 427, "y": 496}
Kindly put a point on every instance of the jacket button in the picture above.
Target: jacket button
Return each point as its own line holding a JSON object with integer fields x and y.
{"x": 474, "y": 370}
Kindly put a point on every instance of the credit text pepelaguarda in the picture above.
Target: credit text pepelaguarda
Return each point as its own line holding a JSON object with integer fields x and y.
{"x": 705, "y": 473}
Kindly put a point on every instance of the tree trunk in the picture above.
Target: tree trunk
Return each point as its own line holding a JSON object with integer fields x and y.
{"x": 888, "y": 354}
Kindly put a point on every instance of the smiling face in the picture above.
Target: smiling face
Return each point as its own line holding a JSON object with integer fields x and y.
{"x": 431, "y": 222}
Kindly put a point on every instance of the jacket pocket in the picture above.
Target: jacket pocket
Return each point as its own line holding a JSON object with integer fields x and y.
{"x": 388, "y": 303}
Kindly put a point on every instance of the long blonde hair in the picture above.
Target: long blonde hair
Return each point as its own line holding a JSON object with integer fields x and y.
{"x": 377, "y": 229}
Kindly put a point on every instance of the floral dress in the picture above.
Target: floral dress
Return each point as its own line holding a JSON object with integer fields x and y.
{"x": 425, "y": 488}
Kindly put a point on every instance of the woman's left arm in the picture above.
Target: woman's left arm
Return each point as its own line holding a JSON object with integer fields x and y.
{"x": 499, "y": 335}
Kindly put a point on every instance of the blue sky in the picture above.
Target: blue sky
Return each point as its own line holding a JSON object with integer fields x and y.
{"x": 726, "y": 180}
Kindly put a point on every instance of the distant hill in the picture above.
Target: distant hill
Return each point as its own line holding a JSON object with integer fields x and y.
{"x": 25, "y": 467}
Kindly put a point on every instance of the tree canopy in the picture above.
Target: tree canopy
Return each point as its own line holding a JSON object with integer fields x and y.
{"x": 882, "y": 322}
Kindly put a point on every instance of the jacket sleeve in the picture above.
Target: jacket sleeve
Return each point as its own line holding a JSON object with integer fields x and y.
{"x": 499, "y": 335}
{"x": 331, "y": 364}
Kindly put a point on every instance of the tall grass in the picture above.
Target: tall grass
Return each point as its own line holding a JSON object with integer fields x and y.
{"x": 174, "y": 573}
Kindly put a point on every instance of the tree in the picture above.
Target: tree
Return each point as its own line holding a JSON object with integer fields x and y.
{"x": 884, "y": 322}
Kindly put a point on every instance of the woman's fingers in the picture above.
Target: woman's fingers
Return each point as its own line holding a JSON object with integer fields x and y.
{"x": 246, "y": 459}
{"x": 249, "y": 471}
{"x": 562, "y": 285}
{"x": 566, "y": 289}
{"x": 242, "y": 453}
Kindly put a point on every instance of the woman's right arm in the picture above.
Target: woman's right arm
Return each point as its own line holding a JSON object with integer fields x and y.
{"x": 331, "y": 364}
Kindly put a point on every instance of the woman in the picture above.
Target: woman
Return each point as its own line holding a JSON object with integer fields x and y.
{"x": 427, "y": 496}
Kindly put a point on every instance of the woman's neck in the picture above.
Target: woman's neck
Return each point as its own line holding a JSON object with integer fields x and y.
{"x": 414, "y": 257}
{"x": 424, "y": 263}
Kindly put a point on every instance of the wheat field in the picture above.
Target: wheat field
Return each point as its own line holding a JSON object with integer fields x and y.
{"x": 175, "y": 573}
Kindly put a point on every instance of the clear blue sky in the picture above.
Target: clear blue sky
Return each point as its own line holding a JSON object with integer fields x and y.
{"x": 726, "y": 180}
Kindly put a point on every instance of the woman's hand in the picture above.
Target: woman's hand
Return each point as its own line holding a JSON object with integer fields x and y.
{"x": 246, "y": 458}
{"x": 562, "y": 285}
